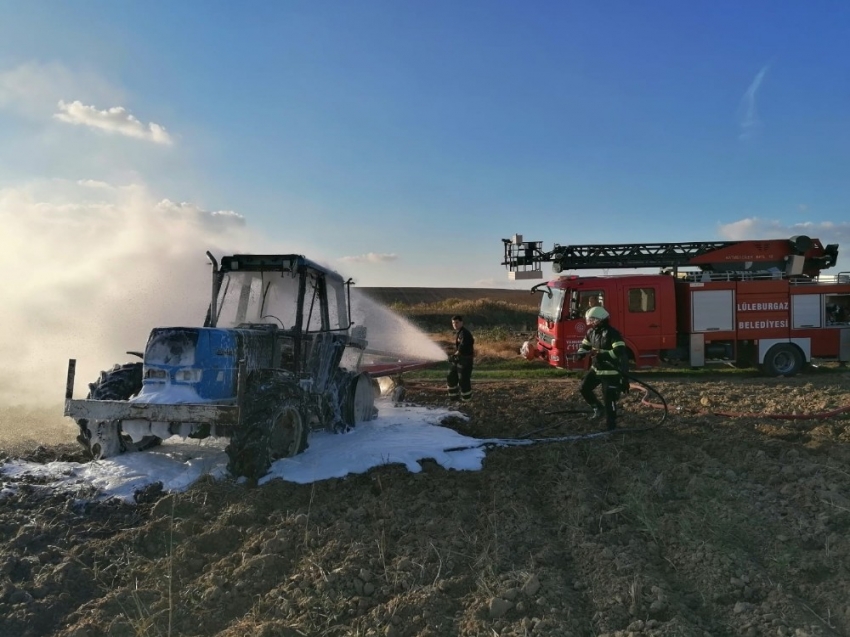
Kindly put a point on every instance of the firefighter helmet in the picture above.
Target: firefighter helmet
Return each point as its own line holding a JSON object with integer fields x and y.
{"x": 599, "y": 313}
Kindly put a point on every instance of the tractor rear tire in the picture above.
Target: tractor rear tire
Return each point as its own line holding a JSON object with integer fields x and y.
{"x": 358, "y": 403}
{"x": 274, "y": 425}
{"x": 122, "y": 382}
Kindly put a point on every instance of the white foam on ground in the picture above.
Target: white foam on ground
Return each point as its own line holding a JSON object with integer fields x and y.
{"x": 400, "y": 435}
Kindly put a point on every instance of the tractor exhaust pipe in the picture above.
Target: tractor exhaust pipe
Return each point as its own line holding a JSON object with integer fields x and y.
{"x": 69, "y": 382}
{"x": 216, "y": 283}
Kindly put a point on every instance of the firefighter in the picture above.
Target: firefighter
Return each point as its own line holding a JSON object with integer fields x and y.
{"x": 458, "y": 382}
{"x": 609, "y": 368}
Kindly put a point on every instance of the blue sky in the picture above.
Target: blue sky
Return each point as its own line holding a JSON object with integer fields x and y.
{"x": 399, "y": 142}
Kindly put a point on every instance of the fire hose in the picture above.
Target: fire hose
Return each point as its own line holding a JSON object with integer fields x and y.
{"x": 641, "y": 398}
{"x": 646, "y": 396}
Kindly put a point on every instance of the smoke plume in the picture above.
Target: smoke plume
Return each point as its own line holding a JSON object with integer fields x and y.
{"x": 89, "y": 268}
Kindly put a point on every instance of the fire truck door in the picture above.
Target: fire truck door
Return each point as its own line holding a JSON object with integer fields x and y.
{"x": 712, "y": 311}
{"x": 642, "y": 320}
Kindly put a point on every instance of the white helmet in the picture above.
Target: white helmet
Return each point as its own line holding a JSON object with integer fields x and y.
{"x": 599, "y": 313}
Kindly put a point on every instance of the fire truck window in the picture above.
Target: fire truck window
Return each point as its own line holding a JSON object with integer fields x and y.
{"x": 551, "y": 305}
{"x": 588, "y": 299}
{"x": 838, "y": 309}
{"x": 642, "y": 300}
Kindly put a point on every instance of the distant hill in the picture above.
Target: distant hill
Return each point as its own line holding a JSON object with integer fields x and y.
{"x": 416, "y": 296}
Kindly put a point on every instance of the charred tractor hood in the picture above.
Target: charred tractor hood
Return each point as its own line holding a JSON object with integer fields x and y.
{"x": 204, "y": 361}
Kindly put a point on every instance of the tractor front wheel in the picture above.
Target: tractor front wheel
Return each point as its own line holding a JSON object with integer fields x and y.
{"x": 273, "y": 425}
{"x": 287, "y": 432}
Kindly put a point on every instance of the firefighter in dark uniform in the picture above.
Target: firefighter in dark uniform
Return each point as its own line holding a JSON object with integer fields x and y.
{"x": 609, "y": 368}
{"x": 458, "y": 382}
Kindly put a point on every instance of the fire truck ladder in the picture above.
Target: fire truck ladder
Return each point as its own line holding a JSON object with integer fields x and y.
{"x": 523, "y": 258}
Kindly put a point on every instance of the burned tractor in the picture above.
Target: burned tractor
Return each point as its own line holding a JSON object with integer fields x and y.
{"x": 277, "y": 356}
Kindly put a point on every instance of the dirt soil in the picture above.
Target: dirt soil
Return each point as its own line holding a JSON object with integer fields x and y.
{"x": 709, "y": 525}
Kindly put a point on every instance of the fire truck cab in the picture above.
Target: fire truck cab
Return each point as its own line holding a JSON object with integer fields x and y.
{"x": 748, "y": 303}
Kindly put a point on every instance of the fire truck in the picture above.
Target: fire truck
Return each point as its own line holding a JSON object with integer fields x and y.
{"x": 740, "y": 303}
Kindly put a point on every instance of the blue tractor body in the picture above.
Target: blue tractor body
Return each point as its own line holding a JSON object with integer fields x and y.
{"x": 204, "y": 359}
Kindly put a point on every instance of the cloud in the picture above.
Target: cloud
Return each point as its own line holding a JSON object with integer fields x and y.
{"x": 371, "y": 257}
{"x": 89, "y": 268}
{"x": 219, "y": 219}
{"x": 93, "y": 183}
{"x": 32, "y": 89}
{"x": 748, "y": 113}
{"x": 113, "y": 120}
{"x": 502, "y": 283}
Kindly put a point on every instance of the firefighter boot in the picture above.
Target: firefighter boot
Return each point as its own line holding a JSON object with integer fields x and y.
{"x": 611, "y": 420}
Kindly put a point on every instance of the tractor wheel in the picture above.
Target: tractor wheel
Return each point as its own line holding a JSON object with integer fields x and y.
{"x": 104, "y": 438}
{"x": 359, "y": 400}
{"x": 783, "y": 359}
{"x": 274, "y": 425}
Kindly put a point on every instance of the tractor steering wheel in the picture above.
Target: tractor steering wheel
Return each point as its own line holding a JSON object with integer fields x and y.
{"x": 275, "y": 318}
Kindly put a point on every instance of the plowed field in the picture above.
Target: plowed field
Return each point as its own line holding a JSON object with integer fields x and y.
{"x": 712, "y": 524}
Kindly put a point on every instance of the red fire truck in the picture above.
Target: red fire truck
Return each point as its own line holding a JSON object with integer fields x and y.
{"x": 747, "y": 303}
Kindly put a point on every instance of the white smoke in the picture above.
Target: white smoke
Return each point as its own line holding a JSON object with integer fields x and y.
{"x": 89, "y": 269}
{"x": 95, "y": 267}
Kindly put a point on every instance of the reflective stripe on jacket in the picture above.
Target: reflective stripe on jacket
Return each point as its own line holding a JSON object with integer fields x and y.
{"x": 611, "y": 352}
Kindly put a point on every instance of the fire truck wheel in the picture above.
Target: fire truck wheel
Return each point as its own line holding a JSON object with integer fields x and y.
{"x": 104, "y": 438}
{"x": 783, "y": 359}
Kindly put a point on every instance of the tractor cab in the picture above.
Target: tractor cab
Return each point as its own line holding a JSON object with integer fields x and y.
{"x": 303, "y": 307}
